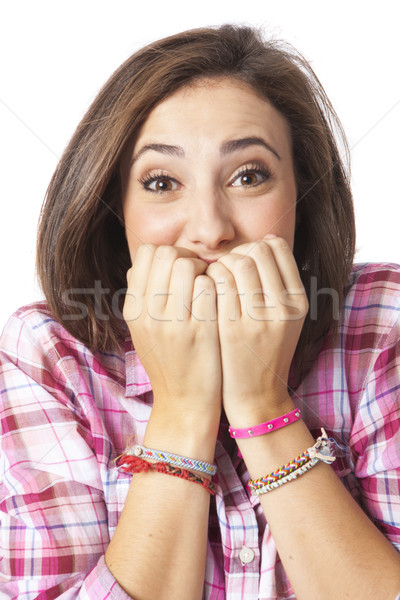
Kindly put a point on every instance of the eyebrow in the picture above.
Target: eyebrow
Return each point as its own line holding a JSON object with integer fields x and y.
{"x": 234, "y": 145}
{"x": 227, "y": 147}
{"x": 162, "y": 148}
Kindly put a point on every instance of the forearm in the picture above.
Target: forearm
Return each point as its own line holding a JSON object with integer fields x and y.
{"x": 159, "y": 547}
{"x": 327, "y": 544}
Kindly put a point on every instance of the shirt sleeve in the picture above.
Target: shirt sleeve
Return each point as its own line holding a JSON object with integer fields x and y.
{"x": 54, "y": 528}
{"x": 375, "y": 439}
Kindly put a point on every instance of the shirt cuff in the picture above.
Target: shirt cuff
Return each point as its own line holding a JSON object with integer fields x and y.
{"x": 100, "y": 584}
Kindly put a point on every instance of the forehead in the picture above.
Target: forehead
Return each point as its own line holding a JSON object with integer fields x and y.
{"x": 215, "y": 108}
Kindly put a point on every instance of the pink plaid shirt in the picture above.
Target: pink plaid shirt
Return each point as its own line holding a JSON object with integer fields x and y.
{"x": 66, "y": 413}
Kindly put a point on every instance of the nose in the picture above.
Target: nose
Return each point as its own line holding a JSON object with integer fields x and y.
{"x": 210, "y": 224}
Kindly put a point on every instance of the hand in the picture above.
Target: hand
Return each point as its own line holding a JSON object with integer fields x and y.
{"x": 261, "y": 309}
{"x": 170, "y": 309}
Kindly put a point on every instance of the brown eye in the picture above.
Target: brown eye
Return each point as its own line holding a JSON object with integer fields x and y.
{"x": 250, "y": 178}
{"x": 159, "y": 184}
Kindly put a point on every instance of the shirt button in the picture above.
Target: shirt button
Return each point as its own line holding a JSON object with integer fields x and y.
{"x": 246, "y": 555}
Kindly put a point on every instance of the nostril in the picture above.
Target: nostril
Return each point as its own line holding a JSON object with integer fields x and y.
{"x": 210, "y": 231}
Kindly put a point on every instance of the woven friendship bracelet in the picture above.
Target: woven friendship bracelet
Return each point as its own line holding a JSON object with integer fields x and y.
{"x": 134, "y": 464}
{"x": 294, "y": 475}
{"x": 247, "y": 432}
{"x": 293, "y": 465}
{"x": 172, "y": 459}
{"x": 298, "y": 466}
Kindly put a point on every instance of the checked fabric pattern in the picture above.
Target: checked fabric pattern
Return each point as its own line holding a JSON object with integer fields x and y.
{"x": 67, "y": 413}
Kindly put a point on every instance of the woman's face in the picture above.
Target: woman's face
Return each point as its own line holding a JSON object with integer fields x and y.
{"x": 211, "y": 169}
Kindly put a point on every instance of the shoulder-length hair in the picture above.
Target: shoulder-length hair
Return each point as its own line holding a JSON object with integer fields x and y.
{"x": 82, "y": 253}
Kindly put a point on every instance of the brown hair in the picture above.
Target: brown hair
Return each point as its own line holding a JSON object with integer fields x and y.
{"x": 81, "y": 233}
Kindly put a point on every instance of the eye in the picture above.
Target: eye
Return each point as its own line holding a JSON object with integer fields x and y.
{"x": 251, "y": 176}
{"x": 159, "y": 183}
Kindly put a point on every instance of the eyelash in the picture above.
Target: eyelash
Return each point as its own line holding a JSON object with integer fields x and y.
{"x": 258, "y": 168}
{"x": 148, "y": 179}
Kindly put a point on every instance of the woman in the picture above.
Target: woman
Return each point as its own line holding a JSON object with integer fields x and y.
{"x": 206, "y": 176}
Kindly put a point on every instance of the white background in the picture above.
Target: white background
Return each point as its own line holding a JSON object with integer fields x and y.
{"x": 56, "y": 55}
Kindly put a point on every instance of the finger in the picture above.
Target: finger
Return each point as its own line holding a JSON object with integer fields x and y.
{"x": 268, "y": 271}
{"x": 228, "y": 301}
{"x": 137, "y": 277}
{"x": 248, "y": 284}
{"x": 158, "y": 287}
{"x": 286, "y": 263}
{"x": 185, "y": 271}
{"x": 294, "y": 297}
{"x": 185, "y": 253}
{"x": 138, "y": 274}
{"x": 204, "y": 299}
{"x": 159, "y": 278}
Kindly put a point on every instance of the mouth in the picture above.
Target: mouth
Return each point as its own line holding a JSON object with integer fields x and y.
{"x": 208, "y": 260}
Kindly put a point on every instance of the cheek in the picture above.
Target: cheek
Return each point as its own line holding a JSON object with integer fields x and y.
{"x": 147, "y": 226}
{"x": 286, "y": 225}
{"x": 273, "y": 218}
{"x": 285, "y": 213}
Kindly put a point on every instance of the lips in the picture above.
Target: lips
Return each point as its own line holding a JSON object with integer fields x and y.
{"x": 208, "y": 260}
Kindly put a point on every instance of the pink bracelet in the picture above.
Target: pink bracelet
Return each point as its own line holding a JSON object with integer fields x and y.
{"x": 290, "y": 417}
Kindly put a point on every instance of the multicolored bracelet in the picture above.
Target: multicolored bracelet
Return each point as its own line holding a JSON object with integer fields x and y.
{"x": 134, "y": 464}
{"x": 172, "y": 459}
{"x": 320, "y": 451}
{"x": 282, "y": 472}
{"x": 272, "y": 486}
{"x": 247, "y": 432}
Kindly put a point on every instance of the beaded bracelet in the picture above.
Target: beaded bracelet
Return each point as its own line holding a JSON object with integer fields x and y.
{"x": 296, "y": 467}
{"x": 172, "y": 459}
{"x": 134, "y": 464}
{"x": 247, "y": 432}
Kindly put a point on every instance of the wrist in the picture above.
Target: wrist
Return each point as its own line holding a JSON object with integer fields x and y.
{"x": 252, "y": 412}
{"x": 267, "y": 426}
{"x": 265, "y": 453}
{"x": 183, "y": 434}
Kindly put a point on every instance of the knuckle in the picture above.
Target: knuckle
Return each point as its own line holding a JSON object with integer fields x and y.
{"x": 132, "y": 307}
{"x": 228, "y": 281}
{"x": 184, "y": 265}
{"x": 301, "y": 299}
{"x": 144, "y": 249}
{"x": 166, "y": 253}
{"x": 243, "y": 248}
{"x": 280, "y": 244}
{"x": 215, "y": 269}
{"x": 261, "y": 248}
{"x": 204, "y": 283}
{"x": 304, "y": 306}
{"x": 245, "y": 263}
{"x": 227, "y": 260}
